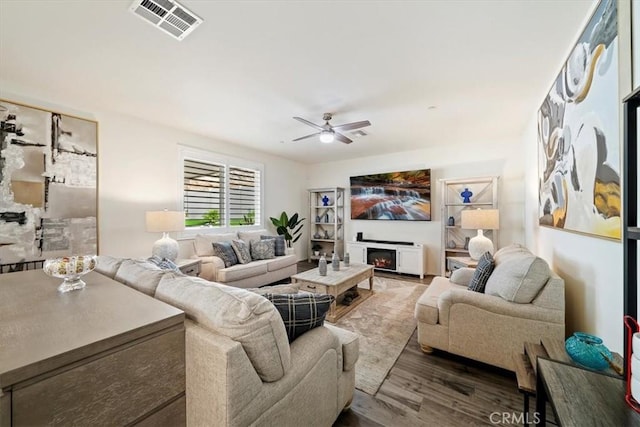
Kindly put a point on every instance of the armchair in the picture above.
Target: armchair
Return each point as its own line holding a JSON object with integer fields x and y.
{"x": 486, "y": 326}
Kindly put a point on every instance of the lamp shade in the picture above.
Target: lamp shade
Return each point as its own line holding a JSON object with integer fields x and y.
{"x": 480, "y": 219}
{"x": 164, "y": 221}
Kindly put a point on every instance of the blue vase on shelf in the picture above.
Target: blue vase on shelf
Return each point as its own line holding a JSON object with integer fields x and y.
{"x": 325, "y": 201}
{"x": 588, "y": 351}
{"x": 466, "y": 196}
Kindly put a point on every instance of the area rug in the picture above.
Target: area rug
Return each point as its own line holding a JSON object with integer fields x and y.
{"x": 385, "y": 322}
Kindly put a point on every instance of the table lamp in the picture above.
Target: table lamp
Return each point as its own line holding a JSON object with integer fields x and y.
{"x": 480, "y": 219}
{"x": 165, "y": 221}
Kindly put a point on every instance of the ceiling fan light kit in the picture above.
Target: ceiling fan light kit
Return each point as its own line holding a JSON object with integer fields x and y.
{"x": 329, "y": 133}
{"x": 327, "y": 136}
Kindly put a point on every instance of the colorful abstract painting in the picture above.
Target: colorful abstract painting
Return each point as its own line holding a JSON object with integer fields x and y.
{"x": 579, "y": 137}
{"x": 48, "y": 186}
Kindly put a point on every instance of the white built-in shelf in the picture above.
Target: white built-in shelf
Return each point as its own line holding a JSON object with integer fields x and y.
{"x": 334, "y": 227}
{"x": 469, "y": 204}
{"x": 460, "y": 250}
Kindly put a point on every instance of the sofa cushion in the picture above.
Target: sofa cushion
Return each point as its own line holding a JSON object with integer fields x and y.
{"x": 262, "y": 249}
{"x": 276, "y": 289}
{"x": 518, "y": 277}
{"x": 483, "y": 271}
{"x": 242, "y": 251}
{"x": 281, "y": 245}
{"x": 203, "y": 242}
{"x": 462, "y": 276}
{"x": 140, "y": 275}
{"x": 248, "y": 236}
{"x": 280, "y": 262}
{"x": 508, "y": 252}
{"x": 225, "y": 252}
{"x": 242, "y": 271}
{"x": 108, "y": 265}
{"x": 236, "y": 313}
{"x": 301, "y": 312}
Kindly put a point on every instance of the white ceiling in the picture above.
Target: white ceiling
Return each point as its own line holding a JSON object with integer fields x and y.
{"x": 253, "y": 65}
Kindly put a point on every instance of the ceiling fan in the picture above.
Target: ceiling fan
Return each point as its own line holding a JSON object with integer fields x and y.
{"x": 330, "y": 133}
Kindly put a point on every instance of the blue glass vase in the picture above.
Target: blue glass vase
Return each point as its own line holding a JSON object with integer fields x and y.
{"x": 587, "y": 350}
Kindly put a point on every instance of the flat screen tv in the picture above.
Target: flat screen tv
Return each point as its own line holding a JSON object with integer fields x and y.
{"x": 404, "y": 196}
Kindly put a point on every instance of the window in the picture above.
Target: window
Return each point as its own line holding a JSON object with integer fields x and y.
{"x": 219, "y": 192}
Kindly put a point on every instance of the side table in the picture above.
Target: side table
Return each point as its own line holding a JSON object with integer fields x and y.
{"x": 526, "y": 365}
{"x": 456, "y": 262}
{"x": 190, "y": 267}
{"x": 580, "y": 397}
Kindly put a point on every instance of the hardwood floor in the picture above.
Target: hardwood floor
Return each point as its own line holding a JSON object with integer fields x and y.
{"x": 440, "y": 389}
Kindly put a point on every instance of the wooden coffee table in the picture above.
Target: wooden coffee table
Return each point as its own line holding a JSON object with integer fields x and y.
{"x": 336, "y": 283}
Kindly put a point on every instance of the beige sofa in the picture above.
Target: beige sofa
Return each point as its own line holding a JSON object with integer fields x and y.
{"x": 490, "y": 327}
{"x": 251, "y": 275}
{"x": 240, "y": 368}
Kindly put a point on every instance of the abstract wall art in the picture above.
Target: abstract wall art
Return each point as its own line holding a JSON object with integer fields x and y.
{"x": 48, "y": 185}
{"x": 579, "y": 137}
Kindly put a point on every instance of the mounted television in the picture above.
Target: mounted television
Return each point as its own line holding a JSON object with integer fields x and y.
{"x": 404, "y": 196}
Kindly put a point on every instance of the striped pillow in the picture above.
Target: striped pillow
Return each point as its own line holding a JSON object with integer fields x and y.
{"x": 482, "y": 273}
{"x": 301, "y": 312}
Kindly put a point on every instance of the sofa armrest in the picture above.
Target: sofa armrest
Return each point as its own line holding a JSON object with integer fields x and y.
{"x": 221, "y": 381}
{"x": 494, "y": 304}
{"x": 350, "y": 346}
{"x": 210, "y": 266}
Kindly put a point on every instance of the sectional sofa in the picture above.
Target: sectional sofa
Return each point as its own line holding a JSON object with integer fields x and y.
{"x": 241, "y": 369}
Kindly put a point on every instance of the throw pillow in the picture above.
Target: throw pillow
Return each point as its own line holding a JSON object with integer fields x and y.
{"x": 242, "y": 251}
{"x": 482, "y": 273}
{"x": 225, "y": 252}
{"x": 301, "y": 312}
{"x": 164, "y": 264}
{"x": 262, "y": 249}
{"x": 519, "y": 278}
{"x": 280, "y": 244}
{"x": 462, "y": 276}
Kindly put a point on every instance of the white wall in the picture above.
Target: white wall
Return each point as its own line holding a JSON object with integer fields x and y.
{"x": 138, "y": 167}
{"x": 478, "y": 158}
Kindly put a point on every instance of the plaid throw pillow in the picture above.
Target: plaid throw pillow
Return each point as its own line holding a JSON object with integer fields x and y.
{"x": 482, "y": 273}
{"x": 301, "y": 312}
{"x": 280, "y": 244}
{"x": 225, "y": 252}
{"x": 242, "y": 251}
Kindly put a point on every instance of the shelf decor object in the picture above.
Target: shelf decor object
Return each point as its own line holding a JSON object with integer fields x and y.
{"x": 480, "y": 219}
{"x": 455, "y": 238}
{"x": 326, "y": 205}
{"x": 165, "y": 222}
{"x": 466, "y": 196}
{"x": 71, "y": 269}
{"x": 587, "y": 350}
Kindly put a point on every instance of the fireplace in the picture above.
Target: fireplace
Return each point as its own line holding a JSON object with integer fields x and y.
{"x": 384, "y": 259}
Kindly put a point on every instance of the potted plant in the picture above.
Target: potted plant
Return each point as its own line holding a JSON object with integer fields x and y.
{"x": 290, "y": 228}
{"x": 316, "y": 249}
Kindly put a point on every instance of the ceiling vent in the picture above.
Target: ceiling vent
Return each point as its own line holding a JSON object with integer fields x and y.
{"x": 167, "y": 15}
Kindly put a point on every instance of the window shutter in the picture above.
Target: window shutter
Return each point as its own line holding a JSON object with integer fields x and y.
{"x": 204, "y": 185}
{"x": 244, "y": 196}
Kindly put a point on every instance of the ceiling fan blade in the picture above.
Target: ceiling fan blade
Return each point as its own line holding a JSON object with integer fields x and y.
{"x": 307, "y": 122}
{"x": 305, "y": 137}
{"x": 351, "y": 126}
{"x": 340, "y": 137}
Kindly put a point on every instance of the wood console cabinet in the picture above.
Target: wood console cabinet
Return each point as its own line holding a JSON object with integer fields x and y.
{"x": 103, "y": 355}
